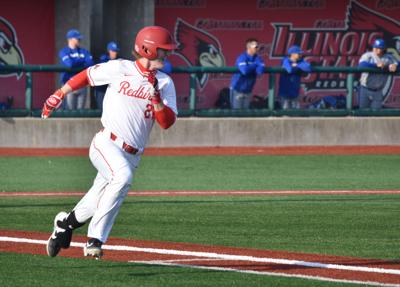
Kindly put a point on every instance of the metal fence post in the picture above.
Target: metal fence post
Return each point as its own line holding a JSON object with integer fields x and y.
{"x": 28, "y": 91}
{"x": 350, "y": 88}
{"x": 192, "y": 95}
{"x": 271, "y": 92}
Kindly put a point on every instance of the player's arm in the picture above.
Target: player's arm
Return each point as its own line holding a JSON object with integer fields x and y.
{"x": 52, "y": 103}
{"x": 98, "y": 75}
{"x": 304, "y": 66}
{"x": 365, "y": 62}
{"x": 88, "y": 59}
{"x": 287, "y": 65}
{"x": 260, "y": 65}
{"x": 65, "y": 59}
{"x": 393, "y": 64}
{"x": 165, "y": 116}
{"x": 244, "y": 67}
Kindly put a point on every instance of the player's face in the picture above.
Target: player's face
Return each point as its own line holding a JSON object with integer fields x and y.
{"x": 378, "y": 52}
{"x": 252, "y": 48}
{"x": 295, "y": 57}
{"x": 159, "y": 62}
{"x": 112, "y": 54}
{"x": 73, "y": 42}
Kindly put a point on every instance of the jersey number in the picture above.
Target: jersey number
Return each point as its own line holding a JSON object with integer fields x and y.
{"x": 149, "y": 112}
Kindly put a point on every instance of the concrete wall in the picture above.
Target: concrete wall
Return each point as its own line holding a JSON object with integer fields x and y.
{"x": 74, "y": 132}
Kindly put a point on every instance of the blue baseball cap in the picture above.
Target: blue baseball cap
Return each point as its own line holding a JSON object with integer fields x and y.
{"x": 112, "y": 46}
{"x": 379, "y": 43}
{"x": 73, "y": 33}
{"x": 295, "y": 50}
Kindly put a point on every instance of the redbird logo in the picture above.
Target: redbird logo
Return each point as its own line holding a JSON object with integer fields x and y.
{"x": 140, "y": 93}
{"x": 337, "y": 46}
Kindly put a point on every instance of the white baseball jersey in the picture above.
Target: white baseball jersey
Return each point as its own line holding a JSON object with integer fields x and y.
{"x": 127, "y": 110}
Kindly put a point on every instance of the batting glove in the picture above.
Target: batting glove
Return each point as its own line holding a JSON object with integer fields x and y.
{"x": 52, "y": 103}
{"x": 155, "y": 93}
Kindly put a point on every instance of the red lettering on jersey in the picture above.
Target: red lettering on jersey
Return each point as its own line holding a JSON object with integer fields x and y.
{"x": 139, "y": 93}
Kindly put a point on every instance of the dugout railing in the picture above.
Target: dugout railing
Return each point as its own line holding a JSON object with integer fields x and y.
{"x": 269, "y": 110}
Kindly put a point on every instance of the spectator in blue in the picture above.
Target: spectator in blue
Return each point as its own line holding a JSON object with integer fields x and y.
{"x": 167, "y": 67}
{"x": 250, "y": 65}
{"x": 289, "y": 83}
{"x": 73, "y": 56}
{"x": 112, "y": 54}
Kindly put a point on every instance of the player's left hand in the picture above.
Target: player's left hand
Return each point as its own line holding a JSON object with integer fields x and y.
{"x": 52, "y": 103}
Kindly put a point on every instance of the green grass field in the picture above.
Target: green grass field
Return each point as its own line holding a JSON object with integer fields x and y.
{"x": 210, "y": 173}
{"x": 350, "y": 225}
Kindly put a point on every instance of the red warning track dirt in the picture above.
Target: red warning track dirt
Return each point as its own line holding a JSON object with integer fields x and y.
{"x": 188, "y": 151}
{"x": 345, "y": 268}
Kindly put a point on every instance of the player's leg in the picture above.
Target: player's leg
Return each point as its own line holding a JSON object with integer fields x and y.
{"x": 61, "y": 236}
{"x": 364, "y": 101}
{"x": 81, "y": 98}
{"x": 377, "y": 100}
{"x": 121, "y": 166}
{"x": 65, "y": 223}
{"x": 88, "y": 204}
{"x": 235, "y": 99}
{"x": 246, "y": 100}
{"x": 70, "y": 99}
{"x": 296, "y": 103}
{"x": 100, "y": 93}
{"x": 285, "y": 103}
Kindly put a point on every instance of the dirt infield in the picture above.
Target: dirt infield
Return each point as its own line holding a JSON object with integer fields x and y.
{"x": 188, "y": 151}
{"x": 171, "y": 193}
{"x": 374, "y": 272}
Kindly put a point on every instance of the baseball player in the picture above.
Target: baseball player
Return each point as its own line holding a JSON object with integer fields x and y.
{"x": 372, "y": 84}
{"x": 74, "y": 56}
{"x": 289, "y": 83}
{"x": 250, "y": 65}
{"x": 137, "y": 95}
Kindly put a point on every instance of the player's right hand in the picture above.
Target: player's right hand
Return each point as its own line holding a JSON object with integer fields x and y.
{"x": 52, "y": 103}
{"x": 380, "y": 65}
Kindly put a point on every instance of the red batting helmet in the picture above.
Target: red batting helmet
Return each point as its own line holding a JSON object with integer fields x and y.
{"x": 151, "y": 38}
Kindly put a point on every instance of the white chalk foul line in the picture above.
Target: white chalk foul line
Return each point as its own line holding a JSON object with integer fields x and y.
{"x": 309, "y": 277}
{"x": 221, "y": 256}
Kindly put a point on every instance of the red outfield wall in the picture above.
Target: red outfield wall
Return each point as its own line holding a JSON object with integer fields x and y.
{"x": 212, "y": 33}
{"x": 26, "y": 37}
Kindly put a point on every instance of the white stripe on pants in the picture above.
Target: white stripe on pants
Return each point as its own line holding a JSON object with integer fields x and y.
{"x": 102, "y": 202}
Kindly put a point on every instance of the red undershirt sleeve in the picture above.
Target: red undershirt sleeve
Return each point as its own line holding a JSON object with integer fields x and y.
{"x": 166, "y": 117}
{"x": 78, "y": 81}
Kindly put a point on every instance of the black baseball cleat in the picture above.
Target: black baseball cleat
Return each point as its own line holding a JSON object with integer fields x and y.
{"x": 93, "y": 248}
{"x": 60, "y": 238}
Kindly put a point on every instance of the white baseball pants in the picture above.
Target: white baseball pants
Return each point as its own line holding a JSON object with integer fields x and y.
{"x": 102, "y": 202}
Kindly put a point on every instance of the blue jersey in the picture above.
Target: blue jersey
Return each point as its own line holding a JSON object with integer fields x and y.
{"x": 104, "y": 58}
{"x": 289, "y": 83}
{"x": 167, "y": 67}
{"x": 249, "y": 67}
{"x": 74, "y": 58}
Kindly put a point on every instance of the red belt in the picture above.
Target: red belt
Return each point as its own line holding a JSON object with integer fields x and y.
{"x": 128, "y": 148}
